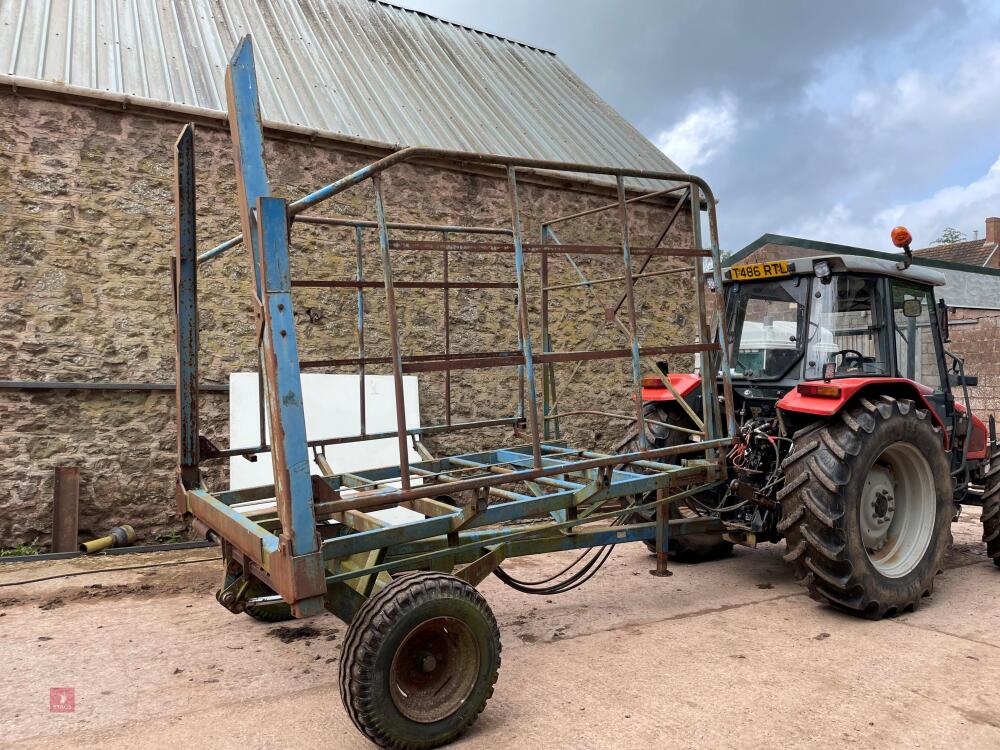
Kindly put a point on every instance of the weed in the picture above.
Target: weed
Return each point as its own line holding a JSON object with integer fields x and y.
{"x": 21, "y": 550}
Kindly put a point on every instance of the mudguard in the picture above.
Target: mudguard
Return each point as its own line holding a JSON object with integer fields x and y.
{"x": 684, "y": 382}
{"x": 827, "y": 406}
{"x": 977, "y": 434}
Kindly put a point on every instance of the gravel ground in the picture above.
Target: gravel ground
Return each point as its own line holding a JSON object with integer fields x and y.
{"x": 725, "y": 654}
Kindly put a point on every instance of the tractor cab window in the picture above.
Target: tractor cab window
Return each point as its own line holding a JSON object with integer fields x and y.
{"x": 845, "y": 329}
{"x": 767, "y": 319}
{"x": 913, "y": 330}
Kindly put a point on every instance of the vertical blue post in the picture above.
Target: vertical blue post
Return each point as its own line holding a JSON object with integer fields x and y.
{"x": 630, "y": 306}
{"x": 186, "y": 315}
{"x": 359, "y": 253}
{"x": 282, "y": 386}
{"x": 522, "y": 317}
{"x": 720, "y": 306}
{"x": 248, "y": 148}
{"x": 546, "y": 342}
{"x": 394, "y": 348}
{"x": 708, "y": 364}
{"x": 289, "y": 451}
{"x": 297, "y": 569}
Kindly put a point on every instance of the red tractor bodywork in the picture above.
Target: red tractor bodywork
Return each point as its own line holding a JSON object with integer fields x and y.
{"x": 842, "y": 391}
{"x": 684, "y": 383}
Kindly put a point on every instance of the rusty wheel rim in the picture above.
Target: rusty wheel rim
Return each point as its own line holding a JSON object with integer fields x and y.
{"x": 434, "y": 670}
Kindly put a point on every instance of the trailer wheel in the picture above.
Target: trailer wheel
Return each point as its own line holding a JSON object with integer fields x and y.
{"x": 690, "y": 548}
{"x": 868, "y": 501}
{"x": 420, "y": 661}
{"x": 991, "y": 508}
{"x": 277, "y": 612}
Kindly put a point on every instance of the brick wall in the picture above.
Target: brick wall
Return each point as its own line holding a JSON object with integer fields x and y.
{"x": 85, "y": 235}
{"x": 975, "y": 336}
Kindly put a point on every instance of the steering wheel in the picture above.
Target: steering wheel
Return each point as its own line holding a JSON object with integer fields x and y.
{"x": 855, "y": 357}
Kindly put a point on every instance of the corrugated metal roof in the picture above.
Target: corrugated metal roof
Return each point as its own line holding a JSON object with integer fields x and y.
{"x": 360, "y": 68}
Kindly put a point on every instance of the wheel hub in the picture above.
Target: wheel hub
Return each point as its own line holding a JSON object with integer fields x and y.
{"x": 434, "y": 669}
{"x": 428, "y": 663}
{"x": 883, "y": 507}
{"x": 878, "y": 506}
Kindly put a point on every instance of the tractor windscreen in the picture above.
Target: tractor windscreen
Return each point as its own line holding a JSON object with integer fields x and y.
{"x": 846, "y": 331}
{"x": 766, "y": 323}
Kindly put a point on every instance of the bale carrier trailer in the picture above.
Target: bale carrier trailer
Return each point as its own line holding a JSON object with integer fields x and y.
{"x": 422, "y": 651}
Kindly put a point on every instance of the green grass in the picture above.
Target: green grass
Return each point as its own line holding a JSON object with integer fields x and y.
{"x": 169, "y": 537}
{"x": 21, "y": 550}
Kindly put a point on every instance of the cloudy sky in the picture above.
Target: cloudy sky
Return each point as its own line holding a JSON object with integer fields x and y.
{"x": 831, "y": 120}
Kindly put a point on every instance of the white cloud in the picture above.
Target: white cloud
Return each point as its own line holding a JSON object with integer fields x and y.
{"x": 964, "y": 207}
{"x": 908, "y": 133}
{"x": 701, "y": 135}
{"x": 949, "y": 96}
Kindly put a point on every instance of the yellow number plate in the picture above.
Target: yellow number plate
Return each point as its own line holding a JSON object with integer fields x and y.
{"x": 760, "y": 271}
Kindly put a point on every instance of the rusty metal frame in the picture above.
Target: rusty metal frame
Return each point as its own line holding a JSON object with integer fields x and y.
{"x": 312, "y": 538}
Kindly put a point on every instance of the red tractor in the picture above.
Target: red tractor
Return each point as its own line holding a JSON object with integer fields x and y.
{"x": 852, "y": 446}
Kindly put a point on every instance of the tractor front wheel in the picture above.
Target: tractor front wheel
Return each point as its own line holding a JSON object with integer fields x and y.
{"x": 868, "y": 502}
{"x": 274, "y": 612}
{"x": 419, "y": 661}
{"x": 689, "y": 548}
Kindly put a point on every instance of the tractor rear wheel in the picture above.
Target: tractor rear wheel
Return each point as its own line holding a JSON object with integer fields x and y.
{"x": 868, "y": 502}
{"x": 690, "y": 548}
{"x": 991, "y": 507}
{"x": 419, "y": 661}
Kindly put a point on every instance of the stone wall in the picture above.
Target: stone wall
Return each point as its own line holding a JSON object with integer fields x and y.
{"x": 86, "y": 231}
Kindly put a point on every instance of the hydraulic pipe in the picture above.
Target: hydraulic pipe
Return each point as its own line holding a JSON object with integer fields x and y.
{"x": 119, "y": 536}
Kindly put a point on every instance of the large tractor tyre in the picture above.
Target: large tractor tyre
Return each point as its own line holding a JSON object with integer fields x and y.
{"x": 868, "y": 502}
{"x": 420, "y": 661}
{"x": 690, "y": 548}
{"x": 991, "y": 507}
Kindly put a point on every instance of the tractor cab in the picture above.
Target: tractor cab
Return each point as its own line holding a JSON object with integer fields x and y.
{"x": 823, "y": 328}
{"x": 848, "y": 441}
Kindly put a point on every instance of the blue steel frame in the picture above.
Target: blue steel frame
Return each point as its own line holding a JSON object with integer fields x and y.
{"x": 317, "y": 545}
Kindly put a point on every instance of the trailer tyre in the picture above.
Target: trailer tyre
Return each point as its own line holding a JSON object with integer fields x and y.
{"x": 277, "y": 612}
{"x": 868, "y": 502}
{"x": 991, "y": 507}
{"x": 690, "y": 548}
{"x": 420, "y": 661}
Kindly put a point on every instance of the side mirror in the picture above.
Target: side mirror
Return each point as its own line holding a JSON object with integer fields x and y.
{"x": 942, "y": 318}
{"x": 912, "y": 308}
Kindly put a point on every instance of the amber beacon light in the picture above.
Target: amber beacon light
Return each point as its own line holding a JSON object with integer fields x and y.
{"x": 901, "y": 237}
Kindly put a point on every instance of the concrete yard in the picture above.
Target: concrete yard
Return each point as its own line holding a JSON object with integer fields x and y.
{"x": 726, "y": 654}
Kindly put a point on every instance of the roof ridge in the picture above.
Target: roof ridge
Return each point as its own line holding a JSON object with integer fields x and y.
{"x": 460, "y": 25}
{"x": 946, "y": 245}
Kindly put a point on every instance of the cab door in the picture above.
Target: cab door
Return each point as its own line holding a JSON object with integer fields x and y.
{"x": 919, "y": 351}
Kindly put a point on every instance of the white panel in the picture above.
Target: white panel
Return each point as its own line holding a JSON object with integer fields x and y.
{"x": 332, "y": 408}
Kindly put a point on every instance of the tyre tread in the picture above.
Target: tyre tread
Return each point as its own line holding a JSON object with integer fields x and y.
{"x": 371, "y": 625}
{"x": 814, "y": 520}
{"x": 991, "y": 507}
